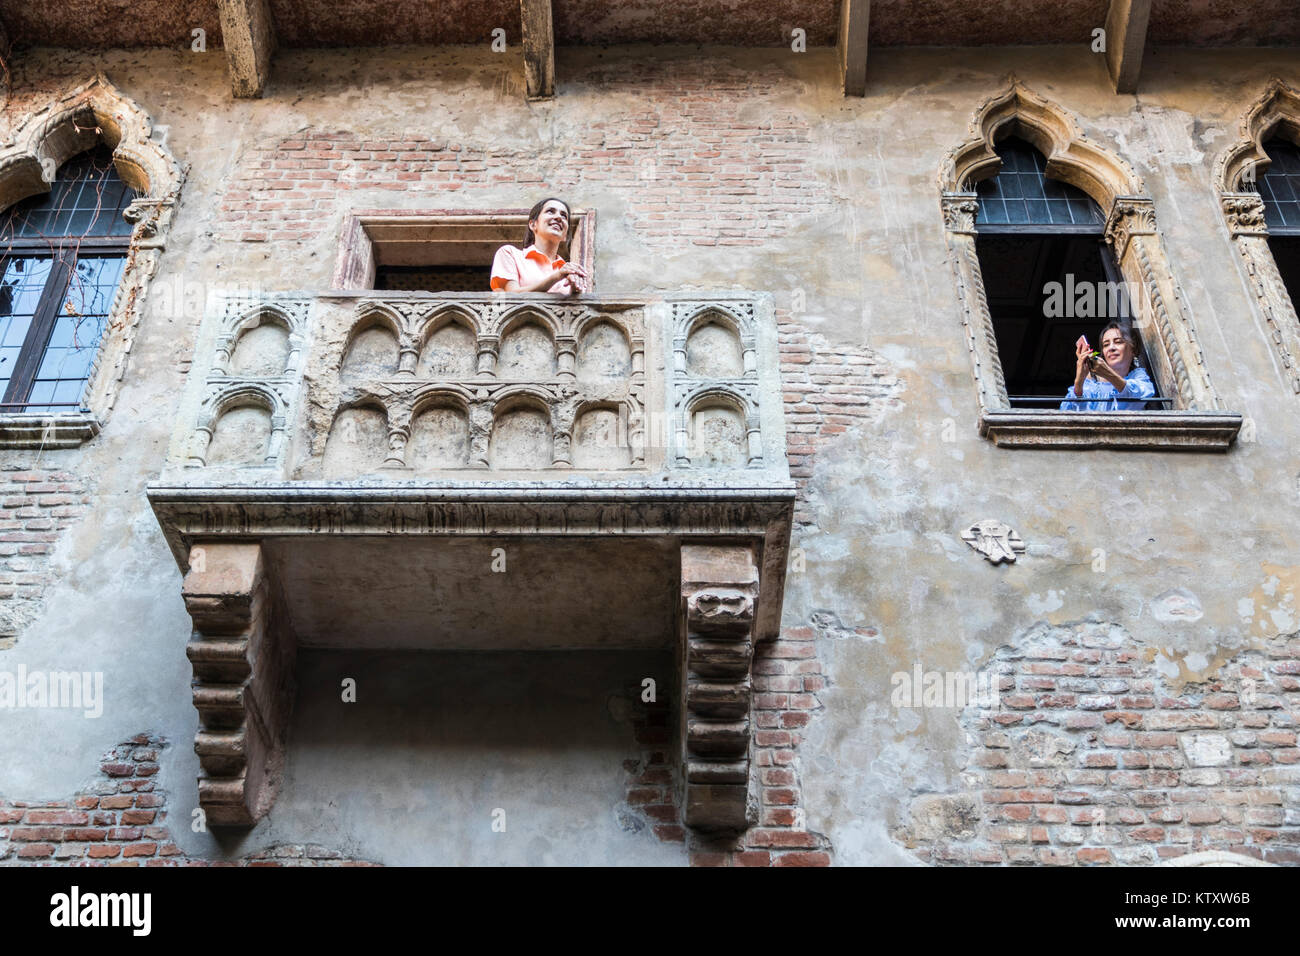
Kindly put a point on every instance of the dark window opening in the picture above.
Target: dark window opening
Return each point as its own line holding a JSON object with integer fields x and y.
{"x": 64, "y": 255}
{"x": 1279, "y": 187}
{"x": 1286, "y": 253}
{"x": 1049, "y": 276}
{"x": 434, "y": 278}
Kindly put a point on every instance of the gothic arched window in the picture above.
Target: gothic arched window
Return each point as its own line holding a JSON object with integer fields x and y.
{"x": 1049, "y": 274}
{"x": 1279, "y": 187}
{"x": 63, "y": 255}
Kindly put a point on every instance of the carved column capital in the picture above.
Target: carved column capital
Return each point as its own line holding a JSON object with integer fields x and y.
{"x": 1129, "y": 216}
{"x": 1244, "y": 213}
{"x": 488, "y": 346}
{"x": 959, "y": 211}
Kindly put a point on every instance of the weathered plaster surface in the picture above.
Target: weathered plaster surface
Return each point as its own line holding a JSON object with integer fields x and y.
{"x": 887, "y": 579}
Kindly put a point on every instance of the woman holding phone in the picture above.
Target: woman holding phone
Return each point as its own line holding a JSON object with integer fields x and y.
{"x": 1112, "y": 381}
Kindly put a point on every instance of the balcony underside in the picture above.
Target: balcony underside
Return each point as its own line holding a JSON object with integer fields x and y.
{"x": 270, "y": 568}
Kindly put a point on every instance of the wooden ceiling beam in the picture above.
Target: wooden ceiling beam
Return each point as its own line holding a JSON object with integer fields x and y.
{"x": 1126, "y": 36}
{"x": 539, "y": 49}
{"x": 853, "y": 46}
{"x": 248, "y": 34}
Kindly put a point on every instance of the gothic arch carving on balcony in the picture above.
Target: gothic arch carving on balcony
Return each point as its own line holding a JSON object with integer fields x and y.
{"x": 92, "y": 113}
{"x": 510, "y": 319}
{"x": 1275, "y": 111}
{"x": 291, "y": 315}
{"x": 379, "y": 459}
{"x": 225, "y": 398}
{"x": 1132, "y": 231}
{"x": 740, "y": 398}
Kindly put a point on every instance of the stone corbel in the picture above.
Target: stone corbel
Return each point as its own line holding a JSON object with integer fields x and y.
{"x": 719, "y": 592}
{"x": 242, "y": 653}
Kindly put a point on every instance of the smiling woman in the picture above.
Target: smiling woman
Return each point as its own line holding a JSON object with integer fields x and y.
{"x": 538, "y": 266}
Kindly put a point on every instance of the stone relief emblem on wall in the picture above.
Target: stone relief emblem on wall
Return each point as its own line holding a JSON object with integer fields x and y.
{"x": 998, "y": 542}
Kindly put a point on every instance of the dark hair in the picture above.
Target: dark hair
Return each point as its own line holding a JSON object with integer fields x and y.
{"x": 536, "y": 211}
{"x": 1129, "y": 335}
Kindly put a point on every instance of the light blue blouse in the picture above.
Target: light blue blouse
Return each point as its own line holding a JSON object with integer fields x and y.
{"x": 1137, "y": 385}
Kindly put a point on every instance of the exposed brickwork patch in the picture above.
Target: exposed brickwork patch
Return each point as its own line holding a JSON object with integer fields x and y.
{"x": 829, "y": 389}
{"x": 689, "y": 169}
{"x": 121, "y": 820}
{"x": 36, "y": 507}
{"x": 652, "y": 779}
{"x": 1092, "y": 759}
{"x": 787, "y": 681}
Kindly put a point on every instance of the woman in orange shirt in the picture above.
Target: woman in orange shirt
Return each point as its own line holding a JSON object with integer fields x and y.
{"x": 538, "y": 266}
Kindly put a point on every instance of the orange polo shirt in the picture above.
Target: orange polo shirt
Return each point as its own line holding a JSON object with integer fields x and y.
{"x": 526, "y": 266}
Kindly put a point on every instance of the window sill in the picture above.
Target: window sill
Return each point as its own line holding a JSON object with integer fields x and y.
{"x": 1152, "y": 431}
{"x": 62, "y": 430}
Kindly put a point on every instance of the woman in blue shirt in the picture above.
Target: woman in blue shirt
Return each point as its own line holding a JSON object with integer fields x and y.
{"x": 1104, "y": 383}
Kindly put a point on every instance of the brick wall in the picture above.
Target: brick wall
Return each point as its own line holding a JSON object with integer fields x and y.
{"x": 36, "y": 507}
{"x": 828, "y": 389}
{"x": 787, "y": 679}
{"x": 122, "y": 820}
{"x": 652, "y": 779}
{"x": 1092, "y": 758}
{"x": 689, "y": 172}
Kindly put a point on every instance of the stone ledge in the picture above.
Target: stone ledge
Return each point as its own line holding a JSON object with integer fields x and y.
{"x": 759, "y": 512}
{"x": 33, "y": 430}
{"x": 1150, "y": 431}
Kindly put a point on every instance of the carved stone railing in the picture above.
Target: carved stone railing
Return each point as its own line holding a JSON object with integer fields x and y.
{"x": 333, "y": 446}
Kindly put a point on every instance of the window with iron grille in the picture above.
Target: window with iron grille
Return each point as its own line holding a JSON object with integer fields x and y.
{"x": 63, "y": 255}
{"x": 1037, "y": 238}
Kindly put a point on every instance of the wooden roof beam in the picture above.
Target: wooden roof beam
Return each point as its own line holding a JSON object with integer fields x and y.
{"x": 539, "y": 49}
{"x": 248, "y": 33}
{"x": 1126, "y": 35}
{"x": 853, "y": 46}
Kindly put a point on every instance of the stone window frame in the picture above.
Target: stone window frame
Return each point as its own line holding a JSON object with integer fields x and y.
{"x": 355, "y": 266}
{"x": 95, "y": 112}
{"x": 1276, "y": 108}
{"x": 1198, "y": 420}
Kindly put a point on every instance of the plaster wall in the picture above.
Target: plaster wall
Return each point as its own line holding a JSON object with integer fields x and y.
{"x": 1201, "y": 559}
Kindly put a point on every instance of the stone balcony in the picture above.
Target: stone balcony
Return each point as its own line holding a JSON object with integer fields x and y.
{"x": 377, "y": 470}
